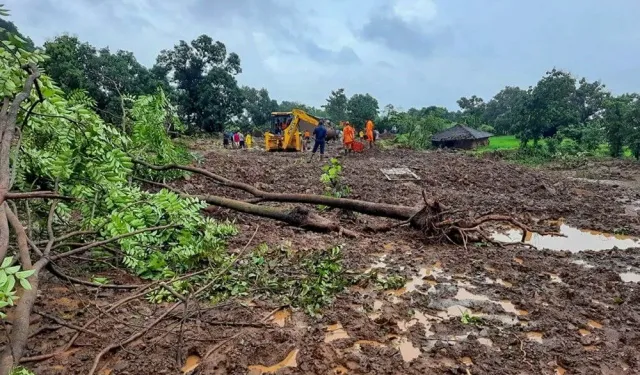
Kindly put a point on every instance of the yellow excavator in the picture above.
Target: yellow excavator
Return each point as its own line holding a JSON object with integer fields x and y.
{"x": 288, "y": 128}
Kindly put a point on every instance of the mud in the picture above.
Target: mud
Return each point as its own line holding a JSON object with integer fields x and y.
{"x": 485, "y": 310}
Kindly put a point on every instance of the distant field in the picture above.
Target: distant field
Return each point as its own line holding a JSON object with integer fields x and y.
{"x": 501, "y": 142}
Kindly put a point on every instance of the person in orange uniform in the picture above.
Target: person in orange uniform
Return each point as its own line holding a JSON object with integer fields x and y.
{"x": 349, "y": 135}
{"x": 369, "y": 129}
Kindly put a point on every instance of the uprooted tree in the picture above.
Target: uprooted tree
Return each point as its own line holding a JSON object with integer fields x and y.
{"x": 71, "y": 184}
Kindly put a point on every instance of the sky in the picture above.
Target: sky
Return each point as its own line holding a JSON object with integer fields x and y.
{"x": 410, "y": 53}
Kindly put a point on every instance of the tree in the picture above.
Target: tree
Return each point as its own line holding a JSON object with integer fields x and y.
{"x": 361, "y": 108}
{"x": 336, "y": 106}
{"x": 589, "y": 98}
{"x": 616, "y": 114}
{"x": 502, "y": 111}
{"x": 105, "y": 76}
{"x": 258, "y": 106}
{"x": 9, "y": 31}
{"x": 208, "y": 95}
{"x": 472, "y": 110}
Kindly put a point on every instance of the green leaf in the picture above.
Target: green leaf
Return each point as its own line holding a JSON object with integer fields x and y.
{"x": 11, "y": 282}
{"x": 12, "y": 270}
{"x": 3, "y": 277}
{"x": 25, "y": 284}
{"x": 25, "y": 274}
{"x": 6, "y": 262}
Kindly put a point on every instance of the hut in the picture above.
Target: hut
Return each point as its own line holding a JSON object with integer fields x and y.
{"x": 460, "y": 136}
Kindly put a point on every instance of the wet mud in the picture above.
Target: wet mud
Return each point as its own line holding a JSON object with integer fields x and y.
{"x": 484, "y": 310}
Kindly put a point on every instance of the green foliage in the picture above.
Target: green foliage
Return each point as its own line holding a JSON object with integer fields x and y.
{"x": 208, "y": 95}
{"x": 473, "y": 109}
{"x": 331, "y": 178}
{"x": 104, "y": 75}
{"x": 9, "y": 275}
{"x": 337, "y": 105}
{"x": 467, "y": 318}
{"x": 21, "y": 371}
{"x": 417, "y": 132}
{"x": 196, "y": 240}
{"x": 391, "y": 282}
{"x": 361, "y": 108}
{"x": 258, "y": 106}
{"x": 487, "y": 128}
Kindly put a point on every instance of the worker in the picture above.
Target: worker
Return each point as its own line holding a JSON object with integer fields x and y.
{"x": 320, "y": 135}
{"x": 361, "y": 134}
{"x": 369, "y": 129}
{"x": 236, "y": 139}
{"x": 241, "y": 139}
{"x": 226, "y": 138}
{"x": 306, "y": 138}
{"x": 248, "y": 140}
{"x": 349, "y": 134}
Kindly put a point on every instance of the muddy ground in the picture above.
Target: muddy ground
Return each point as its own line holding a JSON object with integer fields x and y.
{"x": 539, "y": 311}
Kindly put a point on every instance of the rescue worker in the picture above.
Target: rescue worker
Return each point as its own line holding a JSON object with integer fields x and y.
{"x": 349, "y": 134}
{"x": 320, "y": 135}
{"x": 370, "y": 137}
{"x": 248, "y": 140}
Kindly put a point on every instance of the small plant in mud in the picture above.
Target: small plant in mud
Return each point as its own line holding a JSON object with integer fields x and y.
{"x": 467, "y": 318}
{"x": 391, "y": 281}
{"x": 332, "y": 180}
{"x": 21, "y": 371}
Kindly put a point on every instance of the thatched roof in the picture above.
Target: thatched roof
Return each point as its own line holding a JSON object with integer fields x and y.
{"x": 460, "y": 132}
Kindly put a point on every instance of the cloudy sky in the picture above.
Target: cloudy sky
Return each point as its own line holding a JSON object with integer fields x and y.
{"x": 411, "y": 53}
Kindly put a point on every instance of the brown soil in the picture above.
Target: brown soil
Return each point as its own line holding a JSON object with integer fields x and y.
{"x": 588, "y": 318}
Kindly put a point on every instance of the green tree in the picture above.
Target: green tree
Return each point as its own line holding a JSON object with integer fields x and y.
{"x": 472, "y": 110}
{"x": 105, "y": 76}
{"x": 336, "y": 106}
{"x": 258, "y": 106}
{"x": 208, "y": 95}
{"x": 616, "y": 114}
{"x": 360, "y": 108}
{"x": 8, "y": 31}
{"x": 502, "y": 110}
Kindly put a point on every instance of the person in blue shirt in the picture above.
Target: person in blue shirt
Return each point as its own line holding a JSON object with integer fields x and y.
{"x": 320, "y": 135}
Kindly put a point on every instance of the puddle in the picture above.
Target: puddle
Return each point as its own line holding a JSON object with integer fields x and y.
{"x": 505, "y": 284}
{"x": 454, "y": 312}
{"x": 407, "y": 350}
{"x": 560, "y": 371}
{"x": 280, "y": 317}
{"x": 464, "y": 294}
{"x": 190, "y": 364}
{"x": 289, "y": 361}
{"x": 594, "y": 324}
{"x": 379, "y": 264}
{"x": 485, "y": 341}
{"x": 419, "y": 317}
{"x": 335, "y": 332}
{"x": 509, "y": 307}
{"x": 466, "y": 361}
{"x": 416, "y": 281}
{"x": 518, "y": 260}
{"x": 583, "y": 263}
{"x": 535, "y": 336}
{"x": 630, "y": 277}
{"x": 584, "y": 332}
{"x": 575, "y": 239}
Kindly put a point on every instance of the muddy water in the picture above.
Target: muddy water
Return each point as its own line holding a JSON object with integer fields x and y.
{"x": 407, "y": 350}
{"x": 335, "y": 332}
{"x": 190, "y": 364}
{"x": 535, "y": 336}
{"x": 574, "y": 239}
{"x": 413, "y": 284}
{"x": 630, "y": 277}
{"x": 289, "y": 361}
{"x": 280, "y": 317}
